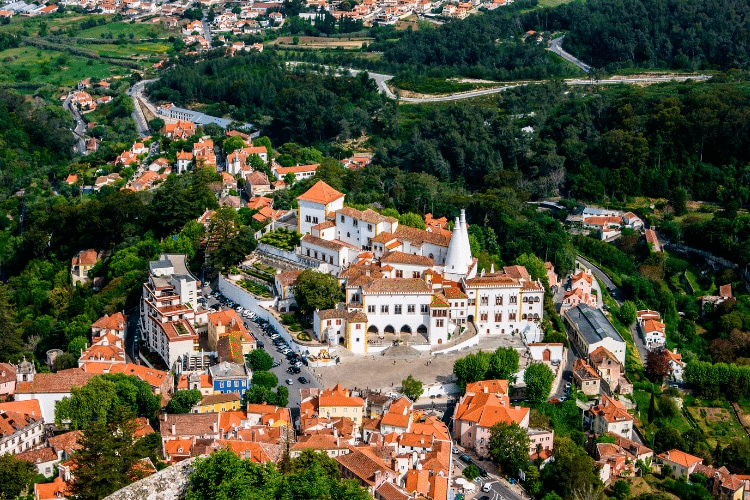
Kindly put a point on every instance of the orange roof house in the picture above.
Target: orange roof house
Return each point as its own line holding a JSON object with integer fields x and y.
{"x": 679, "y": 462}
{"x": 476, "y": 413}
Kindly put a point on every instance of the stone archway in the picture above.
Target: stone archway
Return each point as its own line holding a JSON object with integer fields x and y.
{"x": 422, "y": 330}
{"x": 389, "y": 329}
{"x": 372, "y": 329}
{"x": 406, "y": 329}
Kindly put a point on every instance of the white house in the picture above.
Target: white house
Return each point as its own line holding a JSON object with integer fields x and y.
{"x": 589, "y": 329}
{"x": 316, "y": 204}
{"x": 358, "y": 228}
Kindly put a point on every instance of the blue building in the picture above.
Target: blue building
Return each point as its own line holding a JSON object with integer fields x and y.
{"x": 230, "y": 377}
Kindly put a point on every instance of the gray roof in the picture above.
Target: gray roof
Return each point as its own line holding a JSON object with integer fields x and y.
{"x": 185, "y": 277}
{"x": 159, "y": 264}
{"x": 592, "y": 323}
{"x": 225, "y": 369}
{"x": 202, "y": 119}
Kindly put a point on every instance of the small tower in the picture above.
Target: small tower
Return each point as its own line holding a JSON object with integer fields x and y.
{"x": 25, "y": 371}
{"x": 458, "y": 260}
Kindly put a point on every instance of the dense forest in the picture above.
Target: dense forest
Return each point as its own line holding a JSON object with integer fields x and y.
{"x": 291, "y": 106}
{"x": 695, "y": 35}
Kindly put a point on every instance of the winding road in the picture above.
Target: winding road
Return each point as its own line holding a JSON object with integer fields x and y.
{"x": 80, "y": 128}
{"x": 555, "y": 46}
{"x": 381, "y": 79}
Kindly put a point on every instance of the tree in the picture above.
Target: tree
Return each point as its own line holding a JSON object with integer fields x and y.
{"x": 509, "y": 447}
{"x": 156, "y": 124}
{"x": 102, "y": 397}
{"x": 316, "y": 290}
{"x": 628, "y": 312}
{"x": 667, "y": 438}
{"x": 259, "y": 360}
{"x": 534, "y": 265}
{"x": 233, "y": 143}
{"x": 621, "y": 489}
{"x": 265, "y": 379}
{"x": 412, "y": 388}
{"x": 11, "y": 342}
{"x": 538, "y": 378}
{"x": 471, "y": 368}
{"x": 471, "y": 472}
{"x": 105, "y": 462}
{"x": 572, "y": 469}
{"x": 183, "y": 401}
{"x": 15, "y": 476}
{"x": 412, "y": 220}
{"x": 678, "y": 200}
{"x": 77, "y": 345}
{"x": 503, "y": 363}
{"x": 651, "y": 408}
{"x": 657, "y": 365}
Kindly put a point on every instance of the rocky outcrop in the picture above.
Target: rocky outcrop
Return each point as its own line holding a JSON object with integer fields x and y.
{"x": 168, "y": 484}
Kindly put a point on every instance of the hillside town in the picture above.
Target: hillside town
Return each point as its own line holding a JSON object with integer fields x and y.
{"x": 408, "y": 294}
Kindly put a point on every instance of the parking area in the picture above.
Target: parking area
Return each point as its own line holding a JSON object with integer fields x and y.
{"x": 289, "y": 367}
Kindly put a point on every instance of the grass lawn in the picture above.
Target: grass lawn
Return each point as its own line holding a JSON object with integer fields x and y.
{"x": 138, "y": 30}
{"x": 40, "y": 61}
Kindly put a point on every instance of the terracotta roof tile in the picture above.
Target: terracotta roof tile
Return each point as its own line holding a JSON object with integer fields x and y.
{"x": 320, "y": 193}
{"x": 399, "y": 286}
{"x": 407, "y": 258}
{"x": 54, "y": 382}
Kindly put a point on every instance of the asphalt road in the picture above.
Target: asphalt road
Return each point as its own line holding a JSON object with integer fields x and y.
{"x": 80, "y": 128}
{"x": 556, "y": 47}
{"x": 136, "y": 93}
{"x": 500, "y": 489}
{"x": 381, "y": 79}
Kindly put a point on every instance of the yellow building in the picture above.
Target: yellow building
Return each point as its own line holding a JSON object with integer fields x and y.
{"x": 217, "y": 403}
{"x": 228, "y": 322}
{"x": 338, "y": 402}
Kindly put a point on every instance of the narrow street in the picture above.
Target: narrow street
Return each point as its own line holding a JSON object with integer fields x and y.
{"x": 80, "y": 129}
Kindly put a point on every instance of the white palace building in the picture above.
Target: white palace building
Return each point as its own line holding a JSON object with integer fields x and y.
{"x": 402, "y": 280}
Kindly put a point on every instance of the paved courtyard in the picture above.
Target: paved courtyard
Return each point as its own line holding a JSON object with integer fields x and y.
{"x": 385, "y": 373}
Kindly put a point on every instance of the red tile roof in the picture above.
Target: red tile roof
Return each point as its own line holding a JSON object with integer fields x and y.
{"x": 320, "y": 193}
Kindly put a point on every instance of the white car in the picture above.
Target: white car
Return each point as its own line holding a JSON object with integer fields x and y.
{"x": 486, "y": 487}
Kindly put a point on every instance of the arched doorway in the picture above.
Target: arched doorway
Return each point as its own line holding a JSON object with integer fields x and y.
{"x": 546, "y": 355}
{"x": 372, "y": 329}
{"x": 389, "y": 329}
{"x": 406, "y": 329}
{"x": 422, "y": 330}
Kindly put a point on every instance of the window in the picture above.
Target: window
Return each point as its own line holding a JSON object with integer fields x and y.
{"x": 498, "y": 317}
{"x": 383, "y": 309}
{"x": 359, "y": 327}
{"x": 397, "y": 309}
{"x": 356, "y": 222}
{"x": 472, "y": 302}
{"x": 483, "y": 317}
{"x": 499, "y": 300}
{"x": 221, "y": 385}
{"x": 439, "y": 323}
{"x": 328, "y": 323}
{"x": 423, "y": 308}
{"x": 484, "y": 301}
{"x": 342, "y": 218}
{"x": 371, "y": 309}
{"x": 399, "y": 273}
{"x": 369, "y": 227}
{"x": 410, "y": 309}
{"x": 338, "y": 322}
{"x": 315, "y": 220}
{"x": 415, "y": 274}
{"x": 513, "y": 299}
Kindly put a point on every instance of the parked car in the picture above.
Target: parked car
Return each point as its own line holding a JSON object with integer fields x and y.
{"x": 293, "y": 369}
{"x": 486, "y": 487}
{"x": 465, "y": 458}
{"x": 275, "y": 364}
{"x": 302, "y": 380}
{"x": 289, "y": 381}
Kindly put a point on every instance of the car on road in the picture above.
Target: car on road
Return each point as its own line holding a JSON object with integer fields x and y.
{"x": 465, "y": 458}
{"x": 289, "y": 381}
{"x": 261, "y": 345}
{"x": 486, "y": 487}
{"x": 483, "y": 497}
{"x": 483, "y": 472}
{"x": 275, "y": 364}
{"x": 456, "y": 451}
{"x": 293, "y": 370}
{"x": 302, "y": 380}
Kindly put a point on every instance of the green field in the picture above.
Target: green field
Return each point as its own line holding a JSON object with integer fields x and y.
{"x": 40, "y": 61}
{"x": 138, "y": 30}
